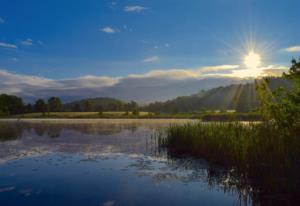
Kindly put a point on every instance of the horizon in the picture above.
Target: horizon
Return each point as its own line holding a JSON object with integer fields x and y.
{"x": 115, "y": 48}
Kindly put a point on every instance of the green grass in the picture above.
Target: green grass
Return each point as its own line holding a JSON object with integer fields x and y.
{"x": 82, "y": 115}
{"x": 207, "y": 116}
{"x": 267, "y": 158}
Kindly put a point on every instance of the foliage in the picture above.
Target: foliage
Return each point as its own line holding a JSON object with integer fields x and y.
{"x": 54, "y": 104}
{"x": 10, "y": 104}
{"x": 264, "y": 156}
{"x": 95, "y": 105}
{"x": 40, "y": 106}
{"x": 239, "y": 97}
{"x": 76, "y": 108}
{"x": 282, "y": 105}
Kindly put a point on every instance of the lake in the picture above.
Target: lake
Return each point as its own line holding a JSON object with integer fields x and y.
{"x": 104, "y": 162}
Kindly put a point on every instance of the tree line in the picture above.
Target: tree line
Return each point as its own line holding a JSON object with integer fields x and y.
{"x": 11, "y": 105}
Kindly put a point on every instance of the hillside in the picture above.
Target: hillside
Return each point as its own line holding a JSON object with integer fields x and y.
{"x": 239, "y": 97}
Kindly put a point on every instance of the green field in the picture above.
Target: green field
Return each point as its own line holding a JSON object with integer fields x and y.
{"x": 205, "y": 116}
{"x": 82, "y": 115}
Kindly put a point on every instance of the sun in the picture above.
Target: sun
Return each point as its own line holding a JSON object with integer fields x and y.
{"x": 252, "y": 60}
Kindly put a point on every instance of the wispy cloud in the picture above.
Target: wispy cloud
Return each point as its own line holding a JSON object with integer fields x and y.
{"x": 7, "y": 45}
{"x": 160, "y": 84}
{"x": 166, "y": 45}
{"x": 134, "y": 8}
{"x": 213, "y": 69}
{"x": 157, "y": 84}
{"x": 27, "y": 42}
{"x": 109, "y": 30}
{"x": 151, "y": 59}
{"x": 2, "y": 20}
{"x": 112, "y": 4}
{"x": 295, "y": 48}
{"x": 275, "y": 70}
{"x": 14, "y": 59}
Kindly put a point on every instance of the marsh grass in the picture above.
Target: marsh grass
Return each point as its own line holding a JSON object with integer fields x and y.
{"x": 263, "y": 156}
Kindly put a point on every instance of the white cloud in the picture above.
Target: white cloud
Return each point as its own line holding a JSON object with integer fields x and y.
{"x": 160, "y": 84}
{"x": 166, "y": 45}
{"x": 27, "y": 42}
{"x": 40, "y": 42}
{"x": 213, "y": 69}
{"x": 109, "y": 30}
{"x": 2, "y": 20}
{"x": 14, "y": 59}
{"x": 185, "y": 73}
{"x": 151, "y": 59}
{"x": 295, "y": 48}
{"x": 7, "y": 45}
{"x": 274, "y": 70}
{"x": 270, "y": 70}
{"x": 134, "y": 8}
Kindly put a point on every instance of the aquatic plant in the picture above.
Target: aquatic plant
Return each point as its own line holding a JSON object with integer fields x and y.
{"x": 268, "y": 158}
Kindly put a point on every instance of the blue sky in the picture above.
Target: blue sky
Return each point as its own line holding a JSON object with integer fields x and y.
{"x": 65, "y": 39}
{"x": 119, "y": 39}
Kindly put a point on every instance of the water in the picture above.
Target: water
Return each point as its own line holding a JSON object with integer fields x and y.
{"x": 103, "y": 162}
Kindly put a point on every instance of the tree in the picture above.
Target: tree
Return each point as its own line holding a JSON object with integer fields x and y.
{"x": 87, "y": 106}
{"x": 10, "y": 104}
{"x": 100, "y": 110}
{"x": 40, "y": 106}
{"x": 54, "y": 104}
{"x": 76, "y": 108}
{"x": 28, "y": 108}
{"x": 282, "y": 105}
{"x": 134, "y": 108}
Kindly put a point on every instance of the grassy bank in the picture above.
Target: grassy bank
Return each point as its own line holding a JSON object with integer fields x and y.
{"x": 205, "y": 116}
{"x": 264, "y": 157}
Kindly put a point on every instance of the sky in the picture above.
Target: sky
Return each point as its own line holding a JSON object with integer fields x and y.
{"x": 101, "y": 44}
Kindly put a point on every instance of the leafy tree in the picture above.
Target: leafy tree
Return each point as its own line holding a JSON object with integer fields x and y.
{"x": 100, "y": 110}
{"x": 134, "y": 107}
{"x": 87, "y": 106}
{"x": 10, "y": 104}
{"x": 76, "y": 108}
{"x": 282, "y": 105}
{"x": 40, "y": 106}
{"x": 54, "y": 104}
{"x": 28, "y": 108}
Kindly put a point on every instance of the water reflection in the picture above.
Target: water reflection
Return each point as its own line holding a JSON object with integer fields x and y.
{"x": 120, "y": 163}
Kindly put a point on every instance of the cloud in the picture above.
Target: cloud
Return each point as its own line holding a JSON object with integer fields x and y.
{"x": 14, "y": 59}
{"x": 134, "y": 8}
{"x": 166, "y": 45}
{"x": 213, "y": 69}
{"x": 27, "y": 42}
{"x": 295, "y": 48}
{"x": 2, "y": 21}
{"x": 7, "y": 45}
{"x": 151, "y": 59}
{"x": 274, "y": 71}
{"x": 157, "y": 84}
{"x": 109, "y": 30}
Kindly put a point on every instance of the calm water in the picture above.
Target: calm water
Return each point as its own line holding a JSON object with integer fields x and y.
{"x": 102, "y": 162}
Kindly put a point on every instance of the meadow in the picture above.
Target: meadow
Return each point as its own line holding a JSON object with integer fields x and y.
{"x": 80, "y": 115}
{"x": 203, "y": 116}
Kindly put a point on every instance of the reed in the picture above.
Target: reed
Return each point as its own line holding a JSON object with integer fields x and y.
{"x": 267, "y": 157}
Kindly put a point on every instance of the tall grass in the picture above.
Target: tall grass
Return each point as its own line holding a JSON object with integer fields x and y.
{"x": 268, "y": 158}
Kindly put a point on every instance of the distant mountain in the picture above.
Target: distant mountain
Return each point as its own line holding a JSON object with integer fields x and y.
{"x": 239, "y": 97}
